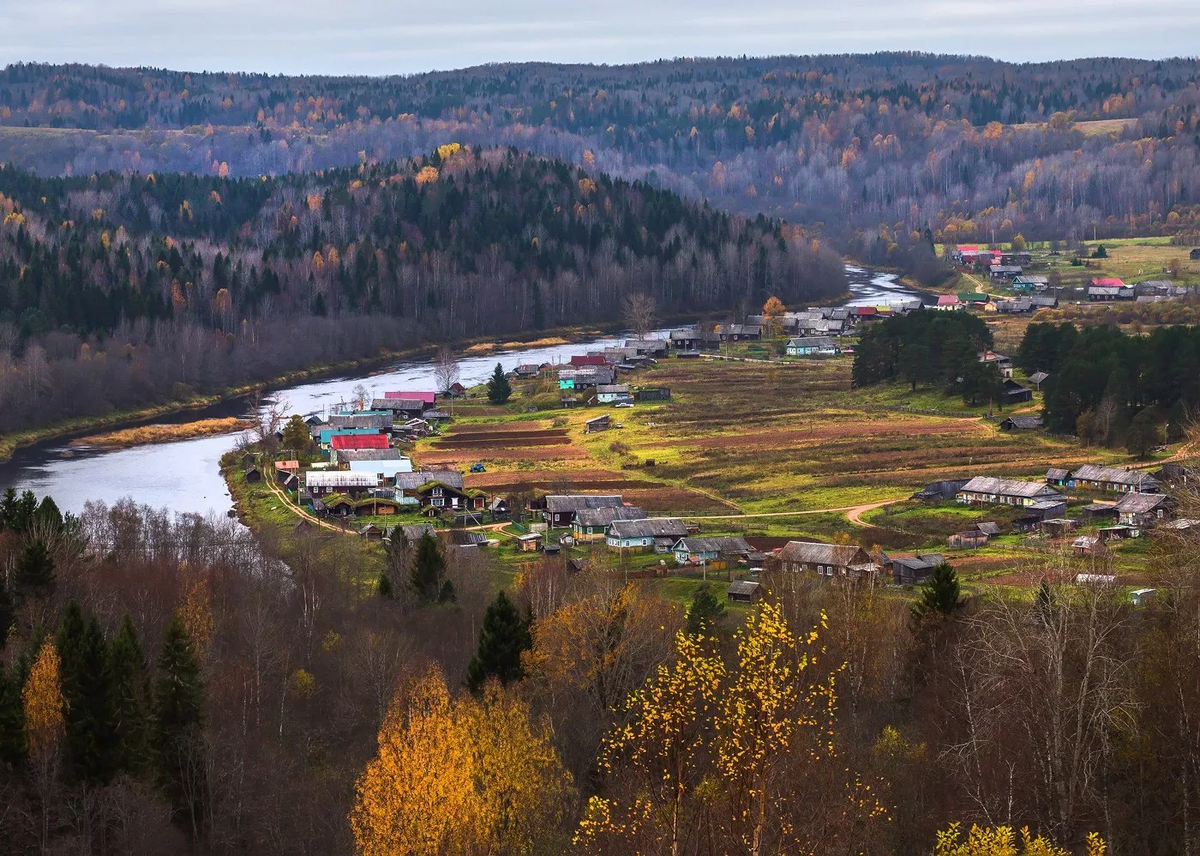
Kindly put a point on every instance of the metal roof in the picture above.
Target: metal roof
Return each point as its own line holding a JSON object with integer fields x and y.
{"x": 1008, "y": 487}
{"x": 1114, "y": 475}
{"x": 723, "y": 544}
{"x": 558, "y": 503}
{"x": 1142, "y": 503}
{"x": 607, "y": 515}
{"x": 808, "y": 552}
{"x": 648, "y": 527}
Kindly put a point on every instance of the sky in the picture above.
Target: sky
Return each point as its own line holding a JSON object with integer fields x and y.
{"x": 379, "y": 37}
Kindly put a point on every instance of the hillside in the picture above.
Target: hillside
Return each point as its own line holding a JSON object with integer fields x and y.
{"x": 210, "y": 281}
{"x": 873, "y": 147}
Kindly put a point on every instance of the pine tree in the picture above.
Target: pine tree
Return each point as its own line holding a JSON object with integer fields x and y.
{"x": 428, "y": 568}
{"x": 504, "y": 635}
{"x": 12, "y": 719}
{"x": 939, "y": 593}
{"x": 704, "y": 612}
{"x": 35, "y": 570}
{"x": 91, "y": 738}
{"x": 499, "y": 389}
{"x": 178, "y": 726}
{"x": 384, "y": 587}
{"x": 129, "y": 683}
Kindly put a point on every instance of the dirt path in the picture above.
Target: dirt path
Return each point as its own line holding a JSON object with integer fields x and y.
{"x": 854, "y": 513}
{"x": 300, "y": 512}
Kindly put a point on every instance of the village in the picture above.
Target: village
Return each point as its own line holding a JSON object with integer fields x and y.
{"x": 619, "y": 456}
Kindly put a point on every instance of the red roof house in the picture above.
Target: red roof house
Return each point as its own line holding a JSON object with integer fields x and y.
{"x": 949, "y": 301}
{"x": 358, "y": 441}
{"x": 1108, "y": 282}
{"x": 585, "y": 360}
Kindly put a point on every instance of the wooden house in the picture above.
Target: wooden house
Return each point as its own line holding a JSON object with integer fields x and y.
{"x": 253, "y": 474}
{"x": 659, "y": 534}
{"x": 739, "y": 332}
{"x": 693, "y": 550}
{"x": 596, "y": 424}
{"x": 1087, "y": 545}
{"x": 530, "y": 542}
{"x": 1144, "y": 510}
{"x": 1021, "y": 423}
{"x": 371, "y": 532}
{"x": 592, "y": 524}
{"x": 613, "y": 393}
{"x": 812, "y": 346}
{"x": 744, "y": 591}
{"x": 910, "y": 569}
{"x": 652, "y": 393}
{"x": 1117, "y": 479}
{"x": 1014, "y": 393}
{"x": 323, "y": 483}
{"x": 826, "y": 560}
{"x": 559, "y": 509}
{"x": 986, "y": 490}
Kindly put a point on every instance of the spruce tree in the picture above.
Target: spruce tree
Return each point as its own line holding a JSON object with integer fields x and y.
{"x": 504, "y": 635}
{"x": 8, "y": 614}
{"x": 703, "y": 612}
{"x": 428, "y": 568}
{"x": 499, "y": 389}
{"x": 939, "y": 593}
{"x": 91, "y": 737}
{"x": 178, "y": 726}
{"x": 384, "y": 587}
{"x": 129, "y": 683}
{"x": 35, "y": 570}
{"x": 12, "y": 719}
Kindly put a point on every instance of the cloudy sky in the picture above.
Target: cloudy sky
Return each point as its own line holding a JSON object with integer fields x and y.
{"x": 381, "y": 37}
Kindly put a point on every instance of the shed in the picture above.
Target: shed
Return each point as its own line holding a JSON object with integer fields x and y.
{"x": 530, "y": 542}
{"x": 1021, "y": 423}
{"x": 744, "y": 591}
{"x": 253, "y": 474}
{"x": 596, "y": 424}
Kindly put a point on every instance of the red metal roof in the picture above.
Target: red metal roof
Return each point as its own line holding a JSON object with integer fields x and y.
{"x": 1108, "y": 282}
{"x": 948, "y": 300}
{"x": 583, "y": 360}
{"x": 358, "y": 441}
{"x": 427, "y": 397}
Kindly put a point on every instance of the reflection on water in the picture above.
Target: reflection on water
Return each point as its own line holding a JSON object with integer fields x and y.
{"x": 183, "y": 476}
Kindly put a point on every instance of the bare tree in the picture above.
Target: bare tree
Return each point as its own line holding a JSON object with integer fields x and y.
{"x": 639, "y": 311}
{"x": 445, "y": 369}
{"x": 268, "y": 416}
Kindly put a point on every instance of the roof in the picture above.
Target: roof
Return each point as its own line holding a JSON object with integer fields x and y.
{"x": 1026, "y": 422}
{"x": 411, "y": 531}
{"x": 339, "y": 478}
{"x": 1108, "y": 282}
{"x": 399, "y": 404}
{"x": 811, "y": 342}
{"x": 648, "y": 527}
{"x": 1038, "y": 377}
{"x": 607, "y": 515}
{"x": 360, "y": 420}
{"x": 917, "y": 561}
{"x": 807, "y": 552}
{"x": 746, "y": 587}
{"x": 948, "y": 300}
{"x": 427, "y": 397}
{"x": 358, "y": 441}
{"x": 1142, "y": 503}
{"x": 412, "y": 481}
{"x": 1047, "y": 505}
{"x": 559, "y": 503}
{"x": 722, "y": 544}
{"x": 1114, "y": 475}
{"x": 287, "y": 465}
{"x": 988, "y": 528}
{"x": 1057, "y": 473}
{"x": 613, "y": 388}
{"x": 371, "y": 455}
{"x": 530, "y": 536}
{"x": 586, "y": 360}
{"x": 1008, "y": 487}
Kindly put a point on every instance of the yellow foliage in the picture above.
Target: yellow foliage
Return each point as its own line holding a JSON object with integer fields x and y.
{"x": 196, "y": 611}
{"x": 43, "y": 702}
{"x": 427, "y": 174}
{"x": 1003, "y": 841}
{"x": 586, "y": 187}
{"x": 457, "y": 777}
{"x": 448, "y": 150}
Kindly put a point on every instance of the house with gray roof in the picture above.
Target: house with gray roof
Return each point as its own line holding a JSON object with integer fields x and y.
{"x": 826, "y": 560}
{"x": 986, "y": 490}
{"x": 1114, "y": 478}
{"x": 592, "y": 524}
{"x": 695, "y": 550}
{"x": 1144, "y": 510}
{"x": 650, "y": 533}
{"x": 561, "y": 508}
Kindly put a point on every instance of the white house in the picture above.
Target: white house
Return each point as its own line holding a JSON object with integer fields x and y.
{"x": 613, "y": 393}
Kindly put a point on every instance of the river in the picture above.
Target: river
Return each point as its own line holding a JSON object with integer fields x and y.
{"x": 184, "y": 476}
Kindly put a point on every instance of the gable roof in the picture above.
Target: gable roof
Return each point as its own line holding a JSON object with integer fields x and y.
{"x": 427, "y": 397}
{"x": 806, "y": 552}
{"x": 560, "y": 503}
{"x": 722, "y": 544}
{"x": 1142, "y": 503}
{"x": 607, "y": 515}
{"x": 948, "y": 300}
{"x": 412, "y": 481}
{"x": 1108, "y": 282}
{"x": 1027, "y": 423}
{"x": 358, "y": 441}
{"x": 811, "y": 342}
{"x": 1115, "y": 475}
{"x": 648, "y": 527}
{"x": 1008, "y": 487}
{"x": 339, "y": 478}
{"x": 1038, "y": 377}
{"x": 743, "y": 587}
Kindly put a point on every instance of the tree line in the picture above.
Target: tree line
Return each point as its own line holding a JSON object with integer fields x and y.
{"x": 937, "y": 349}
{"x": 1113, "y": 388}
{"x": 122, "y": 289}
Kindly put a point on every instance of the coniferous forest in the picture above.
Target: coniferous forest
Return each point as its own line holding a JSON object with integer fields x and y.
{"x": 122, "y": 289}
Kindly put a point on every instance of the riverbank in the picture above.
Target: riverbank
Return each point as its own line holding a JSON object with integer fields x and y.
{"x": 83, "y": 427}
{"x": 162, "y": 433}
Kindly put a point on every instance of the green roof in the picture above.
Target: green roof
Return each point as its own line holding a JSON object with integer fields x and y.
{"x": 972, "y": 297}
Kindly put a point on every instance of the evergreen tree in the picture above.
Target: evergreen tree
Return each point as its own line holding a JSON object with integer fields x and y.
{"x": 12, "y": 719}
{"x": 704, "y": 612}
{"x": 91, "y": 738}
{"x": 504, "y": 635}
{"x": 129, "y": 683}
{"x": 939, "y": 593}
{"x": 296, "y": 436}
{"x": 499, "y": 389}
{"x": 384, "y": 587}
{"x": 446, "y": 593}
{"x": 35, "y": 570}
{"x": 1143, "y": 433}
{"x": 178, "y": 726}
{"x": 428, "y": 568}
{"x": 48, "y": 514}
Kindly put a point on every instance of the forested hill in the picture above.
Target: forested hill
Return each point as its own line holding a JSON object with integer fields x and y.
{"x": 872, "y": 147}
{"x": 208, "y": 280}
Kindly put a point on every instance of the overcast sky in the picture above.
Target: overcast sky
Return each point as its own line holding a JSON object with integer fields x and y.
{"x": 382, "y": 37}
